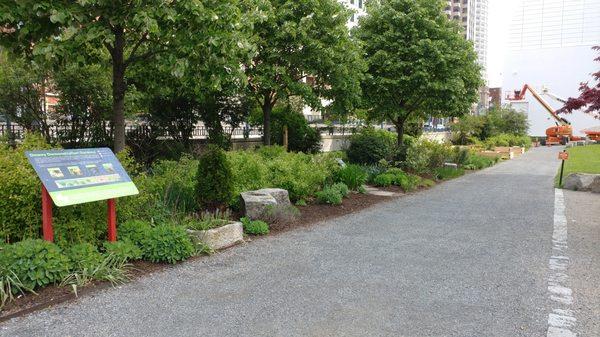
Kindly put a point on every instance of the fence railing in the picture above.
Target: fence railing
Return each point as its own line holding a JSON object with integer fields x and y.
{"x": 62, "y": 132}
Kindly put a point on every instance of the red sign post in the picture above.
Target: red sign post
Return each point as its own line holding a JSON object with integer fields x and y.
{"x": 76, "y": 176}
{"x": 562, "y": 156}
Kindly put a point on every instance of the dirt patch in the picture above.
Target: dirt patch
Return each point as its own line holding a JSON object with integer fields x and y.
{"x": 315, "y": 213}
{"x": 310, "y": 215}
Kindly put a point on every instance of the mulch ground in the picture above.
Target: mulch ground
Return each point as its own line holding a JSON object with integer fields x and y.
{"x": 310, "y": 215}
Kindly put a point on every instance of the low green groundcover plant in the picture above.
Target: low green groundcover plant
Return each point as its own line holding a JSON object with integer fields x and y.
{"x": 135, "y": 231}
{"x": 254, "y": 227}
{"x": 444, "y": 173}
{"x": 167, "y": 243}
{"x": 83, "y": 256}
{"x": 36, "y": 263}
{"x": 124, "y": 249}
{"x": 384, "y": 180}
{"x": 333, "y": 194}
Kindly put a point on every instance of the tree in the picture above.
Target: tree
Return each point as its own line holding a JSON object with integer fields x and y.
{"x": 589, "y": 96}
{"x": 418, "y": 62}
{"x": 22, "y": 98}
{"x": 131, "y": 32}
{"x": 84, "y": 105}
{"x": 500, "y": 120}
{"x": 467, "y": 128}
{"x": 304, "y": 49}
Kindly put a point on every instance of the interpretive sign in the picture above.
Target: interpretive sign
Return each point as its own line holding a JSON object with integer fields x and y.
{"x": 81, "y": 175}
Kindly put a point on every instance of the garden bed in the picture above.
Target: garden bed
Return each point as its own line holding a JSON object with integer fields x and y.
{"x": 310, "y": 215}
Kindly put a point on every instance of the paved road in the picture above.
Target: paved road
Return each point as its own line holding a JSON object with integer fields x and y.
{"x": 467, "y": 258}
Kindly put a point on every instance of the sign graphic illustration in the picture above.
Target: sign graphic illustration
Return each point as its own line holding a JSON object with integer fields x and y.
{"x": 81, "y": 175}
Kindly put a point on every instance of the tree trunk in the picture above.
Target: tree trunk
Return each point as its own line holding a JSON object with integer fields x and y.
{"x": 399, "y": 124}
{"x": 118, "y": 81}
{"x": 267, "y": 108}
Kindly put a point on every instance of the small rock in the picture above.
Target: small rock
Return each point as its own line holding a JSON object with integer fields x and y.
{"x": 580, "y": 181}
{"x": 452, "y": 165}
{"x": 220, "y": 237}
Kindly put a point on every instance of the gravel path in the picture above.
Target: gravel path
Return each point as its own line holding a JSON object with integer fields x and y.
{"x": 466, "y": 258}
{"x": 583, "y": 216}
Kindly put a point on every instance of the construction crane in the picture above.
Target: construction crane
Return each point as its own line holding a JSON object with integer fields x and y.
{"x": 560, "y": 134}
{"x": 591, "y": 133}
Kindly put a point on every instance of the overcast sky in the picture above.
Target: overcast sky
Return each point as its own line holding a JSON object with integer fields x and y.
{"x": 499, "y": 18}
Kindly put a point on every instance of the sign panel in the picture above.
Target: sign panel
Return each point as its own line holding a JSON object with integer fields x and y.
{"x": 563, "y": 155}
{"x": 81, "y": 175}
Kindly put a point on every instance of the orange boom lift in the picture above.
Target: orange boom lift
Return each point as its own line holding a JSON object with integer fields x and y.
{"x": 560, "y": 134}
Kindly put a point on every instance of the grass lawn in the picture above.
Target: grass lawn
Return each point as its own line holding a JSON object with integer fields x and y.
{"x": 582, "y": 159}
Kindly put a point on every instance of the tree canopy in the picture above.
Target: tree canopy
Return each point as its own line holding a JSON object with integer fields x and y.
{"x": 129, "y": 33}
{"x": 589, "y": 97}
{"x": 304, "y": 49}
{"x": 419, "y": 64}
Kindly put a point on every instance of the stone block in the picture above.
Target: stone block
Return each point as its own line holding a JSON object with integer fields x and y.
{"x": 220, "y": 237}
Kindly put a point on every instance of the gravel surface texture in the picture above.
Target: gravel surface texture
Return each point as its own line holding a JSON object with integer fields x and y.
{"x": 583, "y": 217}
{"x": 468, "y": 257}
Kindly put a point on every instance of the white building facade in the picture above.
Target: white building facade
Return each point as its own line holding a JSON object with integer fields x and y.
{"x": 549, "y": 46}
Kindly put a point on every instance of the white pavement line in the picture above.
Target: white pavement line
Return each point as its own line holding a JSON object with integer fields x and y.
{"x": 561, "y": 320}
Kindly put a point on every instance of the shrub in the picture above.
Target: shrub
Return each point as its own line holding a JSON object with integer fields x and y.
{"x": 426, "y": 183}
{"x": 254, "y": 227}
{"x": 460, "y": 155}
{"x": 352, "y": 175}
{"x": 301, "y": 174}
{"x": 362, "y": 189}
{"x": 124, "y": 250}
{"x": 329, "y": 195}
{"x": 35, "y": 262}
{"x": 69, "y": 232}
{"x": 167, "y": 243}
{"x": 214, "y": 187}
{"x": 370, "y": 146}
{"x": 135, "y": 231}
{"x": 384, "y": 180}
{"x": 301, "y": 136}
{"x": 443, "y": 173}
{"x": 424, "y": 156}
{"x": 270, "y": 166}
{"x": 20, "y": 191}
{"x": 407, "y": 182}
{"x": 83, "y": 256}
{"x": 373, "y": 171}
{"x": 342, "y": 188}
{"x": 475, "y": 162}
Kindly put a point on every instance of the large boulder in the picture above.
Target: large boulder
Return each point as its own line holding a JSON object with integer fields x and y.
{"x": 255, "y": 203}
{"x": 580, "y": 181}
{"x": 281, "y": 196}
{"x": 595, "y": 186}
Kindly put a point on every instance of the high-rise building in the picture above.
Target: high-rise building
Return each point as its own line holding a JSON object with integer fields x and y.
{"x": 472, "y": 14}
